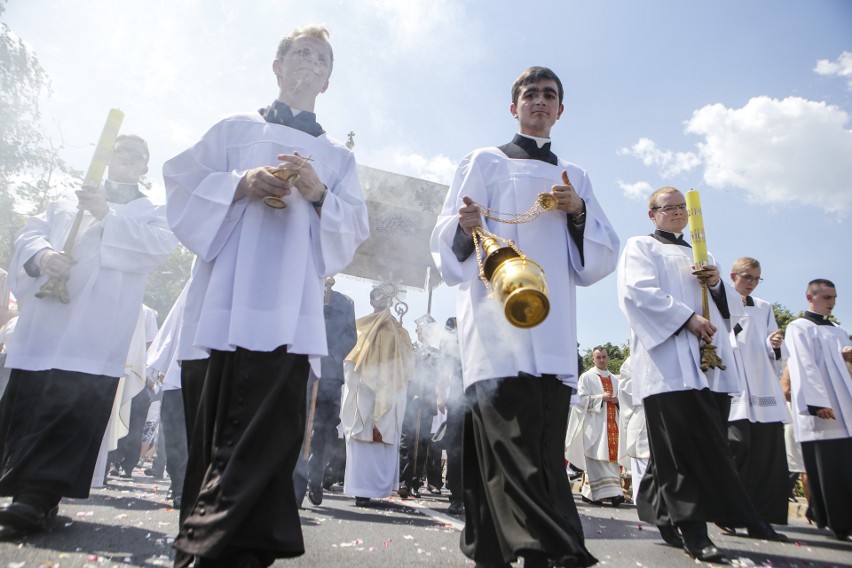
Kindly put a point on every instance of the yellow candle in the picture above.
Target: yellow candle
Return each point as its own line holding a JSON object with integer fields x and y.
{"x": 696, "y": 228}
{"x": 103, "y": 151}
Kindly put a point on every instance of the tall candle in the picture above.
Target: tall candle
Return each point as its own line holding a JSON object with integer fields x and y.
{"x": 103, "y": 151}
{"x": 696, "y": 228}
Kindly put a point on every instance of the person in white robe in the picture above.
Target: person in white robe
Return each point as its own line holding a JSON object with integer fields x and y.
{"x": 508, "y": 369}
{"x": 77, "y": 350}
{"x": 759, "y": 412}
{"x": 376, "y": 374}
{"x": 821, "y": 389}
{"x": 633, "y": 433}
{"x": 271, "y": 205}
{"x": 596, "y": 420}
{"x": 686, "y": 408}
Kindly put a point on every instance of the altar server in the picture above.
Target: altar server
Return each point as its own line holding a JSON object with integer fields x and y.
{"x": 271, "y": 205}
{"x": 686, "y": 408}
{"x": 517, "y": 497}
{"x": 758, "y": 413}
{"x": 66, "y": 358}
{"x": 820, "y": 353}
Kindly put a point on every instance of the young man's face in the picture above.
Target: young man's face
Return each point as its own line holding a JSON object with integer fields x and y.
{"x": 600, "y": 359}
{"x": 127, "y": 163}
{"x": 670, "y": 212}
{"x": 538, "y": 108}
{"x": 822, "y": 300}
{"x": 305, "y": 66}
{"x": 746, "y": 280}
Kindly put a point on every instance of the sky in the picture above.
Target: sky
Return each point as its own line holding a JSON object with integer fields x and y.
{"x": 747, "y": 102}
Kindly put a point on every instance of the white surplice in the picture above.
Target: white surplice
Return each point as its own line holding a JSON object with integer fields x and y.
{"x": 106, "y": 284}
{"x": 263, "y": 268}
{"x": 819, "y": 378}
{"x": 490, "y": 346}
{"x": 658, "y": 293}
{"x": 762, "y": 399}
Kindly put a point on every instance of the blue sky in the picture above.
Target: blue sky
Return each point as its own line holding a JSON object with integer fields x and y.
{"x": 747, "y": 102}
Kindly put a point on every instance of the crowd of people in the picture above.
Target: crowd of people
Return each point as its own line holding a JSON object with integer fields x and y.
{"x": 269, "y": 389}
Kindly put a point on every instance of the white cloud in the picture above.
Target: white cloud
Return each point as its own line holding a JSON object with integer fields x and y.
{"x": 637, "y": 191}
{"x": 778, "y": 151}
{"x": 842, "y": 67}
{"x": 668, "y": 163}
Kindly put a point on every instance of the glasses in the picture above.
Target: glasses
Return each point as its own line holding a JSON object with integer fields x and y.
{"x": 750, "y": 278}
{"x": 670, "y": 208}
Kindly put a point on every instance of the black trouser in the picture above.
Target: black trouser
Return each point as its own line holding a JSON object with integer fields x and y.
{"x": 326, "y": 419}
{"x": 173, "y": 429}
{"x": 412, "y": 474}
{"x": 52, "y": 424}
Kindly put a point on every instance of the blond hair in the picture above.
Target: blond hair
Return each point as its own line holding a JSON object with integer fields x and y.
{"x": 745, "y": 263}
{"x": 317, "y": 31}
{"x": 652, "y": 201}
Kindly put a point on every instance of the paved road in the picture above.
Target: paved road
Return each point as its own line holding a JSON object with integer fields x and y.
{"x": 129, "y": 523}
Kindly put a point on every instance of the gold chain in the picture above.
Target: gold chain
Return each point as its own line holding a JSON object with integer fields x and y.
{"x": 544, "y": 202}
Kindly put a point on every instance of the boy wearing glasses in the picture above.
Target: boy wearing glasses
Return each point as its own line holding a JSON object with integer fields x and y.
{"x": 758, "y": 413}
{"x": 686, "y": 408}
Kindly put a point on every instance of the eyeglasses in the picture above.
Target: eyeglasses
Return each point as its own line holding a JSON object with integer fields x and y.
{"x": 750, "y": 278}
{"x": 670, "y": 208}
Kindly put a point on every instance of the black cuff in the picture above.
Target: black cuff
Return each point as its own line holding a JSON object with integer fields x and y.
{"x": 812, "y": 410}
{"x": 720, "y": 299}
{"x": 462, "y": 244}
{"x": 31, "y": 266}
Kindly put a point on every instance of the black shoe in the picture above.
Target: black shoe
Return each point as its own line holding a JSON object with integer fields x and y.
{"x": 404, "y": 492}
{"x": 151, "y": 472}
{"x": 670, "y": 535}
{"x": 415, "y": 492}
{"x": 28, "y": 518}
{"x": 433, "y": 490}
{"x": 702, "y": 548}
{"x": 315, "y": 496}
{"x": 589, "y": 501}
{"x": 176, "y": 502}
{"x": 456, "y": 508}
{"x": 765, "y": 531}
{"x": 618, "y": 500}
{"x": 113, "y": 470}
{"x": 730, "y": 531}
{"x": 362, "y": 501}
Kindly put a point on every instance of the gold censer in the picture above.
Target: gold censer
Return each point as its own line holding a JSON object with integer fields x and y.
{"x": 513, "y": 279}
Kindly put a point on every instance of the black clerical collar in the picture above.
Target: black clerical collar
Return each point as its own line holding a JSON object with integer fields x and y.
{"x": 280, "y": 113}
{"x": 525, "y": 148}
{"x": 668, "y": 238}
{"x": 118, "y": 192}
{"x": 818, "y": 319}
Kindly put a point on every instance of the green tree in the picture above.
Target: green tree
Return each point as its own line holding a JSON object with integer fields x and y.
{"x": 28, "y": 161}
{"x": 783, "y": 315}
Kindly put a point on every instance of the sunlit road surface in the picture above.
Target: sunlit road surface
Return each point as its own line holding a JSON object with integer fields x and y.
{"x": 129, "y": 523}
